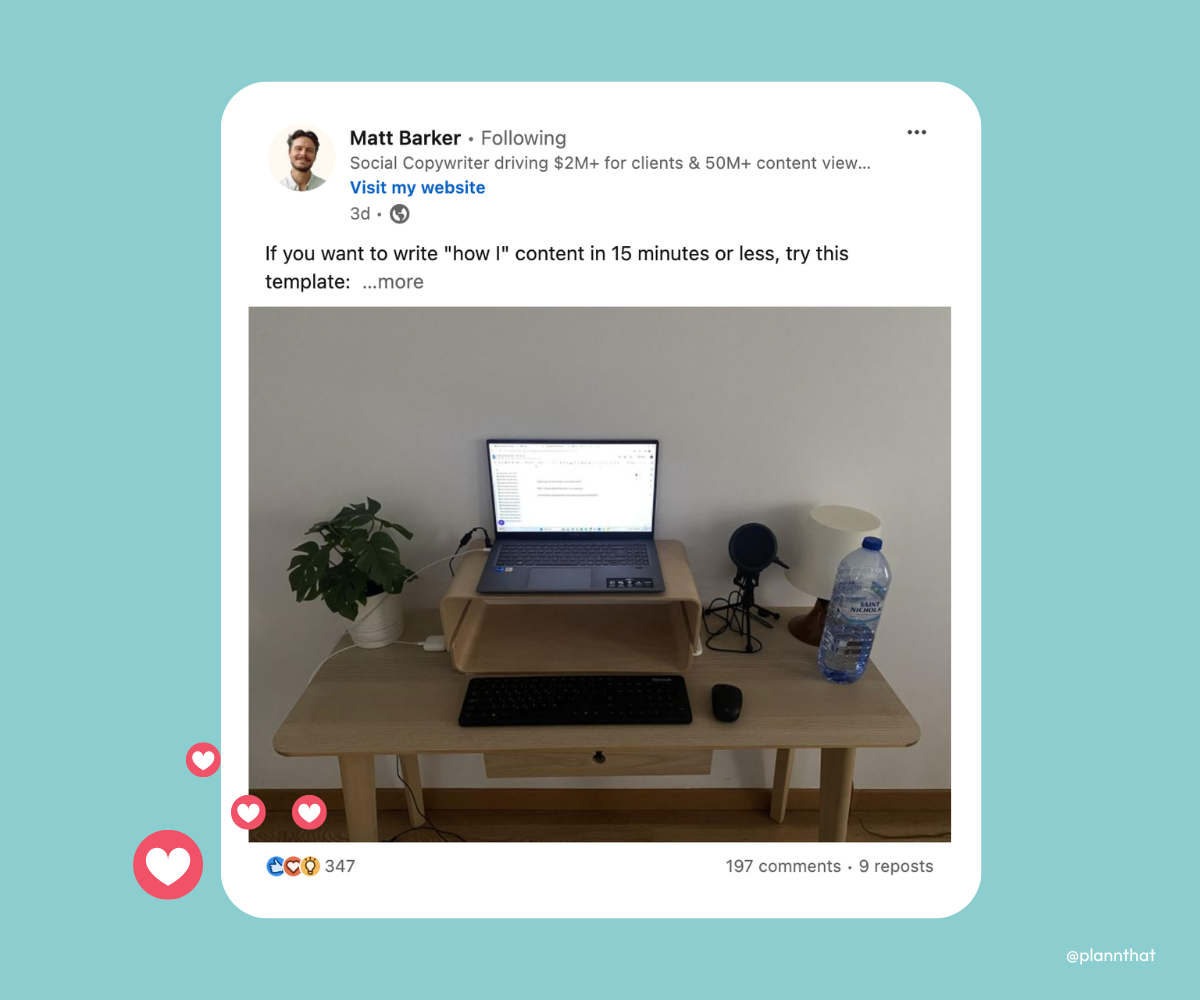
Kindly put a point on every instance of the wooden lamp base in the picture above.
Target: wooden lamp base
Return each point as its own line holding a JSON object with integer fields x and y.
{"x": 808, "y": 628}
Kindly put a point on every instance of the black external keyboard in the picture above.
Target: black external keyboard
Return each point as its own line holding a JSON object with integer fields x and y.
{"x": 573, "y": 554}
{"x": 580, "y": 700}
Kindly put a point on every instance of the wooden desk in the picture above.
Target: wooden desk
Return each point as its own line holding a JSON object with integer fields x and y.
{"x": 403, "y": 700}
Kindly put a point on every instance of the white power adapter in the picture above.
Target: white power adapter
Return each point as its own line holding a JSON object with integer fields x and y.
{"x": 434, "y": 644}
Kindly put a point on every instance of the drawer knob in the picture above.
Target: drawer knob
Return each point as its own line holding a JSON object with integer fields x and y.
{"x": 598, "y": 757}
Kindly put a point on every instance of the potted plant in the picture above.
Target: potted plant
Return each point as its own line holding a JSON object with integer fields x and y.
{"x": 364, "y": 583}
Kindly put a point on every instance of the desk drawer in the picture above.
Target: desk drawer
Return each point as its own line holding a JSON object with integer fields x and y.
{"x": 596, "y": 763}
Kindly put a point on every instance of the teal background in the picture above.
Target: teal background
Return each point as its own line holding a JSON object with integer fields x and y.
{"x": 111, "y": 415}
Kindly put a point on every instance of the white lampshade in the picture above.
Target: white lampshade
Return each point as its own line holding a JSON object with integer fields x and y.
{"x": 827, "y": 535}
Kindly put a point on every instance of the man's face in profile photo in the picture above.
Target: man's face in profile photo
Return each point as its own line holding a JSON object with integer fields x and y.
{"x": 302, "y": 149}
{"x": 302, "y": 152}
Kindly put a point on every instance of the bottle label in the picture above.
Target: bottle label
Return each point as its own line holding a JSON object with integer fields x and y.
{"x": 862, "y": 606}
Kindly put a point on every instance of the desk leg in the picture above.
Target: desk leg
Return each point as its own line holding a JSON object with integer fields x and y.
{"x": 358, "y": 790}
{"x": 783, "y": 783}
{"x": 837, "y": 782}
{"x": 410, "y": 770}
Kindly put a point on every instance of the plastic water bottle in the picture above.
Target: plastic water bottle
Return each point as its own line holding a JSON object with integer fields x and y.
{"x": 863, "y": 578}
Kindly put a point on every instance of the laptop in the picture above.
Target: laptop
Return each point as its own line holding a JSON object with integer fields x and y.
{"x": 573, "y": 517}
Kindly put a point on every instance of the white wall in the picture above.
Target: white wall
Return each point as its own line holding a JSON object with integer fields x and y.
{"x": 762, "y": 413}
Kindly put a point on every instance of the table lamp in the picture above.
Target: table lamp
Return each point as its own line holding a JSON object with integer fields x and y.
{"x": 827, "y": 535}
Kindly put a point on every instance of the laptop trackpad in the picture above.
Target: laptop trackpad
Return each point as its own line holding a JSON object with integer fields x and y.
{"x": 560, "y": 578}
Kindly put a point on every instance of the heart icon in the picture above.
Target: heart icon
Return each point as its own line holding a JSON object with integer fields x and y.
{"x": 248, "y": 812}
{"x": 293, "y": 866}
{"x": 168, "y": 864}
{"x": 202, "y": 759}
{"x": 168, "y": 868}
{"x": 309, "y": 812}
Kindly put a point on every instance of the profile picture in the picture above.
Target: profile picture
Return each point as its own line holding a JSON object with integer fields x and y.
{"x": 301, "y": 158}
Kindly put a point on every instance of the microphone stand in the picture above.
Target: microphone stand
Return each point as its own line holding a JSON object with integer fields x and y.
{"x": 746, "y": 580}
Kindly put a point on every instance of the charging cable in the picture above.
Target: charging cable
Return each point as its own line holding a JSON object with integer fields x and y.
{"x": 487, "y": 548}
{"x": 462, "y": 542}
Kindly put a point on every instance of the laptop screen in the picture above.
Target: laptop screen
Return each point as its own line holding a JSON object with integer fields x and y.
{"x": 573, "y": 486}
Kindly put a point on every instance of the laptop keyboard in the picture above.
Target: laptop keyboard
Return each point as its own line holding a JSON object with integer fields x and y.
{"x": 573, "y": 554}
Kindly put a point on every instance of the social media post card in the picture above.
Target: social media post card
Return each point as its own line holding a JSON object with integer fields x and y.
{"x": 600, "y": 502}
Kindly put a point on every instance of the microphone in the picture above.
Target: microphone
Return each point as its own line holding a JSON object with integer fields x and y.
{"x": 753, "y": 547}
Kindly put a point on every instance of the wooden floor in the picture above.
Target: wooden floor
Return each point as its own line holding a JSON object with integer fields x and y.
{"x": 642, "y": 825}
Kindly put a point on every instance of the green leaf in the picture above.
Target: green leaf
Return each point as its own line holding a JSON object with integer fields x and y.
{"x": 373, "y": 506}
{"x": 353, "y": 516}
{"x": 307, "y": 570}
{"x": 378, "y": 557}
{"x": 345, "y": 586}
{"x": 395, "y": 527}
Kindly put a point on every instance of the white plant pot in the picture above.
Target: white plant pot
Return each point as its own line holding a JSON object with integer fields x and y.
{"x": 379, "y": 623}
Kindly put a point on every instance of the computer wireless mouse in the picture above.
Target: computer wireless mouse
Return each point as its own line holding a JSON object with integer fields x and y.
{"x": 726, "y": 702}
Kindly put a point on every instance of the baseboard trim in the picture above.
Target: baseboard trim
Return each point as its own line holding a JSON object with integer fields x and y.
{"x": 632, "y": 799}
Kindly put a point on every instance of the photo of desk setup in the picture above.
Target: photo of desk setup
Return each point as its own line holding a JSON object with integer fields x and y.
{"x": 564, "y": 574}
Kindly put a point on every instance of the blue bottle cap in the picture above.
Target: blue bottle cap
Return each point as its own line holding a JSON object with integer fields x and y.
{"x": 873, "y": 543}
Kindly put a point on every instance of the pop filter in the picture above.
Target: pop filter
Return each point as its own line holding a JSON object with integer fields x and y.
{"x": 753, "y": 548}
